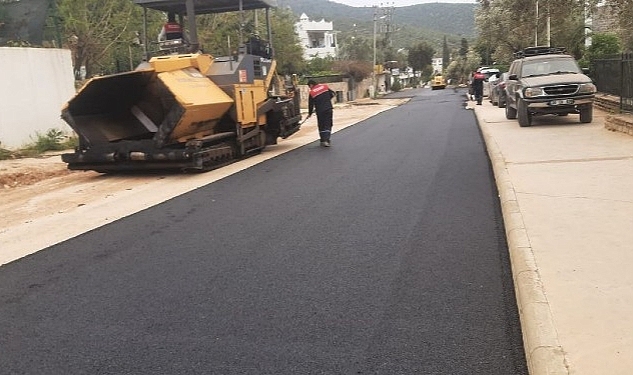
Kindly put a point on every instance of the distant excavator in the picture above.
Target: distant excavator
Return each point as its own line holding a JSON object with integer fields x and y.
{"x": 186, "y": 111}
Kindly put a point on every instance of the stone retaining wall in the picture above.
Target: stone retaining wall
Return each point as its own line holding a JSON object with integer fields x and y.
{"x": 622, "y": 123}
{"x": 615, "y": 121}
{"x": 607, "y": 103}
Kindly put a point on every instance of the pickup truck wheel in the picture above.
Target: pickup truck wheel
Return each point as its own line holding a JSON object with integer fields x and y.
{"x": 586, "y": 114}
{"x": 525, "y": 118}
{"x": 511, "y": 113}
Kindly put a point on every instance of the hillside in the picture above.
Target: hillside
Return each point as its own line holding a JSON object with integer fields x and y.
{"x": 429, "y": 21}
{"x": 23, "y": 20}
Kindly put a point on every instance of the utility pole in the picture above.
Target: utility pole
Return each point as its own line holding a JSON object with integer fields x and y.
{"x": 549, "y": 36}
{"x": 373, "y": 66}
{"x": 374, "y": 83}
{"x": 548, "y": 29}
{"x": 388, "y": 30}
{"x": 536, "y": 28}
{"x": 588, "y": 24}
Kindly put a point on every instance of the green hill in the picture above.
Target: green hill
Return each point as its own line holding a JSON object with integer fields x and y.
{"x": 430, "y": 22}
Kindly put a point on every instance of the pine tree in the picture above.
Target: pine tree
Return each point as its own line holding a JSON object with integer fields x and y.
{"x": 446, "y": 54}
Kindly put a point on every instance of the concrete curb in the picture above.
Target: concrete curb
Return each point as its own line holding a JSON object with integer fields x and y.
{"x": 543, "y": 352}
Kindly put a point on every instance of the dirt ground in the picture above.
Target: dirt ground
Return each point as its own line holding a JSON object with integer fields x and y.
{"x": 22, "y": 172}
{"x": 40, "y": 195}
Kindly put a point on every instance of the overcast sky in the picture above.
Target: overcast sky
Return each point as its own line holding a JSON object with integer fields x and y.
{"x": 396, "y": 3}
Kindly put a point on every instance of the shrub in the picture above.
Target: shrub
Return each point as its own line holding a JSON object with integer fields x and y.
{"x": 396, "y": 85}
{"x": 53, "y": 140}
{"x": 5, "y": 154}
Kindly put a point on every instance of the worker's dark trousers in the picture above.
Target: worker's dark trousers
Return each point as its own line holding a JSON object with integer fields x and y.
{"x": 324, "y": 121}
{"x": 479, "y": 94}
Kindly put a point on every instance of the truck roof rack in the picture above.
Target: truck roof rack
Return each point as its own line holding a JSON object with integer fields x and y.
{"x": 539, "y": 50}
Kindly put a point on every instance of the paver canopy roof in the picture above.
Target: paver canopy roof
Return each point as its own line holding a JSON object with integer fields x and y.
{"x": 206, "y": 6}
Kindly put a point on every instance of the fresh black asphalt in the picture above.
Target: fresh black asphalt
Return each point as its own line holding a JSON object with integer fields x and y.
{"x": 384, "y": 254}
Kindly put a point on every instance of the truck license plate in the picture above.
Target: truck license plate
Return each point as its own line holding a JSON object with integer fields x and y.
{"x": 561, "y": 102}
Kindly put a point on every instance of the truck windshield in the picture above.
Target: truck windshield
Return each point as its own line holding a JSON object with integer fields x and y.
{"x": 546, "y": 67}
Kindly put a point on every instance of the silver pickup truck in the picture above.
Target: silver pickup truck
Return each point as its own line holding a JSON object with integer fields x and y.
{"x": 547, "y": 81}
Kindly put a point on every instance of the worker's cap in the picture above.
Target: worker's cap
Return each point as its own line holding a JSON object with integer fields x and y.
{"x": 311, "y": 82}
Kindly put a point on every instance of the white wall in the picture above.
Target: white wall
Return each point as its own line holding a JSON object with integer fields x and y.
{"x": 34, "y": 84}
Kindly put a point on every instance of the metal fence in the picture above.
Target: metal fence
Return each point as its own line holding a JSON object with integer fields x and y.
{"x": 614, "y": 75}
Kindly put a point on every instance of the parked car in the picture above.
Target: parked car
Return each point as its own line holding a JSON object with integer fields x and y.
{"x": 547, "y": 81}
{"x": 489, "y": 73}
{"x": 498, "y": 90}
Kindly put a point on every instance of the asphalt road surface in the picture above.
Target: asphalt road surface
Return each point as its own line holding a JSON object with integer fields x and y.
{"x": 384, "y": 254}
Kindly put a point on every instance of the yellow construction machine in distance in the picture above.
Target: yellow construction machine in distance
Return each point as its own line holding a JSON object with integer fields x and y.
{"x": 438, "y": 82}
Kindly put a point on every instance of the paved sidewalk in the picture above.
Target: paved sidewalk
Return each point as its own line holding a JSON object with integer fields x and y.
{"x": 566, "y": 190}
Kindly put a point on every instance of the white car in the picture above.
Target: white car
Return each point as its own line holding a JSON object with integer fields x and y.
{"x": 489, "y": 73}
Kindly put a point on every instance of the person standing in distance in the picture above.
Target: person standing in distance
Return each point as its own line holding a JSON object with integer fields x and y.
{"x": 321, "y": 99}
{"x": 171, "y": 30}
{"x": 478, "y": 86}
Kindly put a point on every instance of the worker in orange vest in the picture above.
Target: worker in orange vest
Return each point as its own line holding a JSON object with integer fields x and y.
{"x": 171, "y": 30}
{"x": 321, "y": 99}
{"x": 478, "y": 86}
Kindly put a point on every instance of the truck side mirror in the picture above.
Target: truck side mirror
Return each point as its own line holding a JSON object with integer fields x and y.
{"x": 513, "y": 77}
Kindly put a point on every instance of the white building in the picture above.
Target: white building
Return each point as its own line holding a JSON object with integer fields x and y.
{"x": 437, "y": 64}
{"x": 318, "y": 38}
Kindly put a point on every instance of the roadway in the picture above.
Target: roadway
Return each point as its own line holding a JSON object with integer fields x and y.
{"x": 384, "y": 254}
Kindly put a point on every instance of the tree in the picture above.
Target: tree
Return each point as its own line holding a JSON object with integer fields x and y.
{"x": 97, "y": 31}
{"x": 507, "y": 26}
{"x": 356, "y": 48}
{"x": 319, "y": 66}
{"x": 459, "y": 70}
{"x": 421, "y": 56}
{"x": 395, "y": 58}
{"x": 22, "y": 22}
{"x": 220, "y": 35}
{"x": 603, "y": 45}
{"x": 446, "y": 54}
{"x": 463, "y": 49}
{"x": 622, "y": 11}
{"x": 104, "y": 35}
{"x": 357, "y": 70}
{"x": 567, "y": 26}
{"x": 3, "y": 20}
{"x": 288, "y": 51}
